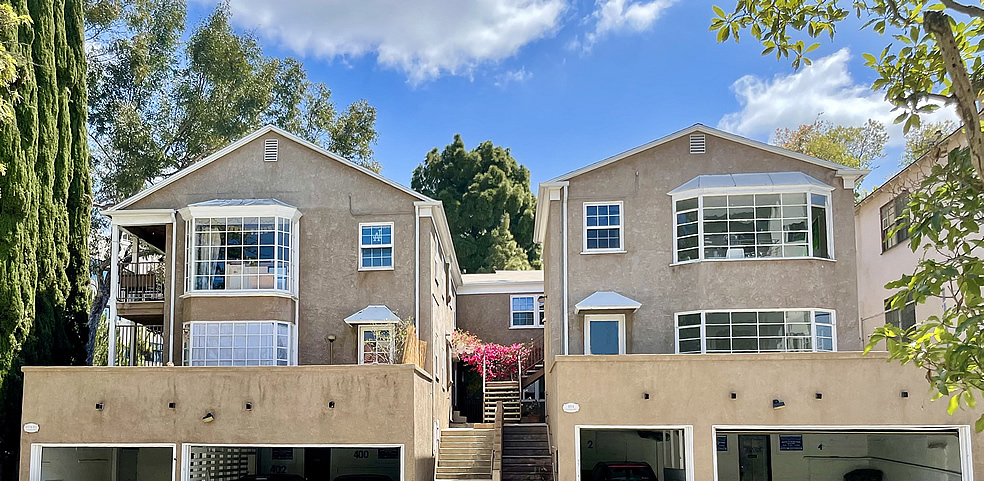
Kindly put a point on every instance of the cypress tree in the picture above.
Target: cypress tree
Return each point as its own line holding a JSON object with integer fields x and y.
{"x": 45, "y": 197}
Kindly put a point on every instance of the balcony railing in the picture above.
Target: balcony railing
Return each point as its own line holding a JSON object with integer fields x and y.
{"x": 139, "y": 345}
{"x": 141, "y": 281}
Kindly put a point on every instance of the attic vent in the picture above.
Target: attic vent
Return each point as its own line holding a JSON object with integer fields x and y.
{"x": 270, "y": 150}
{"x": 697, "y": 144}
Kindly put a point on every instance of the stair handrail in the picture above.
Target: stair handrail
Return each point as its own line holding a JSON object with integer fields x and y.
{"x": 497, "y": 442}
{"x": 536, "y": 350}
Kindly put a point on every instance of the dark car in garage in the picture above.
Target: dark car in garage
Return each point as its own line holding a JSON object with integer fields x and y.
{"x": 623, "y": 471}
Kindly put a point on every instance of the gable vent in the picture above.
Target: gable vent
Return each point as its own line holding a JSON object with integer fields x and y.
{"x": 698, "y": 144}
{"x": 270, "y": 150}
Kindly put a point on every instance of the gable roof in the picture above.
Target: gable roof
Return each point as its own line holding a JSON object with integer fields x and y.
{"x": 842, "y": 170}
{"x": 245, "y": 140}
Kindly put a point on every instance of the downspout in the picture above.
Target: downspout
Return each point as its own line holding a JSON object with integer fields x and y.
{"x": 174, "y": 247}
{"x": 416, "y": 269}
{"x": 566, "y": 258}
{"x": 114, "y": 286}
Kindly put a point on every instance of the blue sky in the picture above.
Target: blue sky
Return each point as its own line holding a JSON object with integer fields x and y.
{"x": 562, "y": 83}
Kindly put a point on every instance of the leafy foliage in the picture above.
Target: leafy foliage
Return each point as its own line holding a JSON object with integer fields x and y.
{"x": 854, "y": 147}
{"x": 498, "y": 363}
{"x": 8, "y": 64}
{"x": 159, "y": 103}
{"x": 44, "y": 210}
{"x": 931, "y": 56}
{"x": 945, "y": 215}
{"x": 486, "y": 194}
{"x": 920, "y": 140}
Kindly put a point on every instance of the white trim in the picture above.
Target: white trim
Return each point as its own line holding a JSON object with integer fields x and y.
{"x": 703, "y": 328}
{"x": 291, "y": 339}
{"x": 388, "y": 326}
{"x": 688, "y": 442}
{"x": 416, "y": 269}
{"x": 240, "y": 293}
{"x": 245, "y": 140}
{"x": 567, "y": 309}
{"x": 589, "y": 318}
{"x": 538, "y": 311}
{"x": 186, "y": 451}
{"x": 435, "y": 210}
{"x": 114, "y": 287}
{"x": 36, "y": 454}
{"x": 841, "y": 170}
{"x": 752, "y": 189}
{"x": 201, "y": 211}
{"x": 174, "y": 247}
{"x": 140, "y": 216}
{"x": 547, "y": 192}
{"x": 501, "y": 287}
{"x": 620, "y": 227}
{"x": 271, "y": 150}
{"x": 963, "y": 436}
{"x": 378, "y": 246}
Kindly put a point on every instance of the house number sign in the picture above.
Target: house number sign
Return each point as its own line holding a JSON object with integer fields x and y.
{"x": 31, "y": 428}
{"x": 571, "y": 408}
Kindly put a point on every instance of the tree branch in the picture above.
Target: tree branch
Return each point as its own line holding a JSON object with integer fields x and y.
{"x": 971, "y": 10}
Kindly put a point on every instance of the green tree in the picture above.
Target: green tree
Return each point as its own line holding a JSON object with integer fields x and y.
{"x": 854, "y": 147}
{"x": 944, "y": 215}
{"x": 920, "y": 140}
{"x": 486, "y": 194}
{"x": 8, "y": 63}
{"x": 932, "y": 53}
{"x": 44, "y": 210}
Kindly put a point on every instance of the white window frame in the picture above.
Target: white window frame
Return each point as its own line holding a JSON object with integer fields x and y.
{"x": 362, "y": 246}
{"x": 703, "y": 325}
{"x": 699, "y": 194}
{"x": 589, "y": 318}
{"x": 377, "y": 327}
{"x": 538, "y": 311}
{"x": 190, "y": 213}
{"x": 187, "y": 342}
{"x": 620, "y": 226}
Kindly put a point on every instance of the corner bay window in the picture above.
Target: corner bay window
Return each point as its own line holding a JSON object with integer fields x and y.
{"x": 248, "y": 343}
{"x": 742, "y": 226}
{"x": 526, "y": 311}
{"x": 240, "y": 253}
{"x": 755, "y": 331}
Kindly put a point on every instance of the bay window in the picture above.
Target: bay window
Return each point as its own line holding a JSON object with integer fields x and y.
{"x": 247, "y": 343}
{"x": 755, "y": 331}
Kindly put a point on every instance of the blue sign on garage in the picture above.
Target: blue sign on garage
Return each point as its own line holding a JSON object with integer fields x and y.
{"x": 722, "y": 442}
{"x": 791, "y": 443}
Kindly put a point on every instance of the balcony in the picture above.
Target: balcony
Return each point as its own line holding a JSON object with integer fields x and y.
{"x": 140, "y": 293}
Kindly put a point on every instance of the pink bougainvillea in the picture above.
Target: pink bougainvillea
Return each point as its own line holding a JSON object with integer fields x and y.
{"x": 500, "y": 363}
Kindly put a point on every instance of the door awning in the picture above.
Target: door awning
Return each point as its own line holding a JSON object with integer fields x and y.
{"x": 606, "y": 301}
{"x": 372, "y": 315}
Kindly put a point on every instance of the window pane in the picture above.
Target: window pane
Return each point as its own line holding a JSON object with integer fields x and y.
{"x": 603, "y": 337}
{"x": 819, "y": 225}
{"x": 690, "y": 332}
{"x": 689, "y": 320}
{"x": 718, "y": 345}
{"x": 690, "y": 346}
{"x": 765, "y": 331}
{"x": 718, "y": 318}
{"x": 686, "y": 204}
{"x": 715, "y": 201}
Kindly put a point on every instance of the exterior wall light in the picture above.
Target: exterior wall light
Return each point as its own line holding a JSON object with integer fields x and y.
{"x": 819, "y": 395}
{"x": 331, "y": 342}
{"x": 249, "y": 406}
{"x": 734, "y": 395}
{"x": 208, "y": 417}
{"x": 905, "y": 393}
{"x": 645, "y": 395}
{"x": 99, "y": 406}
{"x": 171, "y": 405}
{"x": 331, "y": 404}
{"x": 777, "y": 404}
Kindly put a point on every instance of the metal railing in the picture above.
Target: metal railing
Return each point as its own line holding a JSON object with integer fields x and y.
{"x": 141, "y": 281}
{"x": 536, "y": 351}
{"x": 139, "y": 345}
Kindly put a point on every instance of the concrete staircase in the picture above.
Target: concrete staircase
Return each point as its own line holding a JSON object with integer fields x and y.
{"x": 526, "y": 453}
{"x": 506, "y": 391}
{"x": 466, "y": 453}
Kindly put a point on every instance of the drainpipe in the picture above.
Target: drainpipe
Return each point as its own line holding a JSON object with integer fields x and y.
{"x": 565, "y": 257}
{"x": 174, "y": 247}
{"x": 114, "y": 286}
{"x": 416, "y": 269}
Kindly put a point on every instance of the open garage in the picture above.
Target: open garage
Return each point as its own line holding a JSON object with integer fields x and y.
{"x": 290, "y": 463}
{"x": 629, "y": 453}
{"x": 101, "y": 463}
{"x": 841, "y": 455}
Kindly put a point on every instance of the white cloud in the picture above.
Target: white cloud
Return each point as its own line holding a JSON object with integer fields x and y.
{"x": 513, "y": 76}
{"x": 790, "y": 100}
{"x": 613, "y": 16}
{"x": 424, "y": 38}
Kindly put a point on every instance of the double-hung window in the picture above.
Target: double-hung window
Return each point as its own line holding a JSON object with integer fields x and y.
{"x": 603, "y": 227}
{"x": 903, "y": 318}
{"x": 894, "y": 225}
{"x": 376, "y": 246}
{"x": 525, "y": 311}
{"x": 248, "y": 343}
{"x": 755, "y": 331}
{"x": 376, "y": 344}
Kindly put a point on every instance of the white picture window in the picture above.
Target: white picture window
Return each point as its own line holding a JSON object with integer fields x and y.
{"x": 752, "y": 226}
{"x": 376, "y": 344}
{"x": 603, "y": 227}
{"x": 240, "y": 253}
{"x": 526, "y": 311}
{"x": 248, "y": 343}
{"x": 376, "y": 246}
{"x": 756, "y": 331}
{"x": 604, "y": 334}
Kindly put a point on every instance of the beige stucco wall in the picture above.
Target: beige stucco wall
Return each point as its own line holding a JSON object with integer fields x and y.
{"x": 237, "y": 308}
{"x": 695, "y": 390}
{"x": 333, "y": 199}
{"x": 290, "y": 406}
{"x": 644, "y": 273}
{"x": 487, "y": 316}
{"x": 877, "y": 268}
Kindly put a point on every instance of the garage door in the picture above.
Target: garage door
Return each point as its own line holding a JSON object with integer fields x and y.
{"x": 328, "y": 463}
